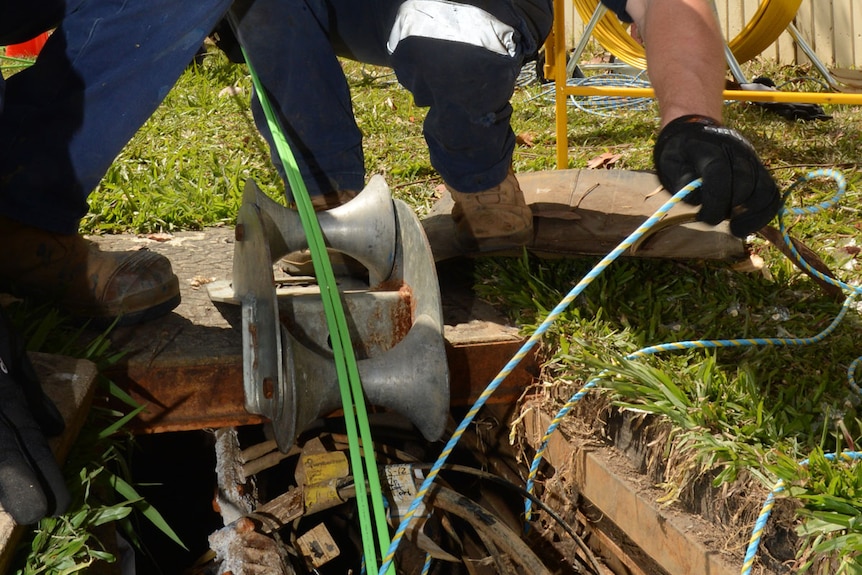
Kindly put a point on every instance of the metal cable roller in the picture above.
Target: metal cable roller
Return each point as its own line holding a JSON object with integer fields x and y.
{"x": 769, "y": 21}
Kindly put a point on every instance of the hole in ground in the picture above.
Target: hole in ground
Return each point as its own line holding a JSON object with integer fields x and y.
{"x": 175, "y": 473}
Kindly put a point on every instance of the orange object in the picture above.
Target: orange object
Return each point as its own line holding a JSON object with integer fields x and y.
{"x": 28, "y": 49}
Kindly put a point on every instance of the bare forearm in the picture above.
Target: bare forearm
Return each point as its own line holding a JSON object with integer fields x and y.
{"x": 684, "y": 55}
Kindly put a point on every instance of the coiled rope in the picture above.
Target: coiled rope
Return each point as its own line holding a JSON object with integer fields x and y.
{"x": 707, "y": 344}
{"x": 566, "y": 301}
{"x": 764, "y": 27}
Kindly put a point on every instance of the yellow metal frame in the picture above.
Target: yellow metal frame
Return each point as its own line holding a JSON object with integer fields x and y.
{"x": 555, "y": 69}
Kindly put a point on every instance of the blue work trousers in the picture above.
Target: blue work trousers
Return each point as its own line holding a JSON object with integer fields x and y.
{"x": 293, "y": 45}
{"x": 100, "y": 76}
{"x": 110, "y": 63}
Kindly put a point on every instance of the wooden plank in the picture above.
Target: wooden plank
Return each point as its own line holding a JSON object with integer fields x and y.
{"x": 734, "y": 20}
{"x": 590, "y": 212}
{"x": 856, "y": 11}
{"x": 813, "y": 17}
{"x": 840, "y": 37}
{"x": 785, "y": 47}
{"x": 822, "y": 29}
{"x": 601, "y": 478}
{"x": 70, "y": 384}
{"x": 845, "y": 44}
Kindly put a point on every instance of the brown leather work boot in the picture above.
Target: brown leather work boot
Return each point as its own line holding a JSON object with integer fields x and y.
{"x": 299, "y": 263}
{"x": 88, "y": 283}
{"x": 494, "y": 219}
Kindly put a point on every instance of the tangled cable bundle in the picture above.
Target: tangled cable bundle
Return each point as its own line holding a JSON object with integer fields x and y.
{"x": 606, "y": 106}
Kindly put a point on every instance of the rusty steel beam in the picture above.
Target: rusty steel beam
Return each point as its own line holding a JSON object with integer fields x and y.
{"x": 187, "y": 393}
{"x": 183, "y": 397}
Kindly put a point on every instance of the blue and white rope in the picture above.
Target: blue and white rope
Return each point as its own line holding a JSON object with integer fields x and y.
{"x": 769, "y": 503}
{"x": 516, "y": 359}
{"x": 674, "y": 346}
{"x": 705, "y": 344}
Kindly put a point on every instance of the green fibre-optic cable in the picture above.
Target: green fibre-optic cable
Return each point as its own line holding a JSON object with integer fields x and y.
{"x": 352, "y": 397}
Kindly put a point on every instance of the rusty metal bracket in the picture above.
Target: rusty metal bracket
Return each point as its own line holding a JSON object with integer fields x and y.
{"x": 396, "y": 318}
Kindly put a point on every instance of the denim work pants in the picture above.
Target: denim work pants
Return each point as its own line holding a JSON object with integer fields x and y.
{"x": 100, "y": 76}
{"x": 110, "y": 63}
{"x": 293, "y": 45}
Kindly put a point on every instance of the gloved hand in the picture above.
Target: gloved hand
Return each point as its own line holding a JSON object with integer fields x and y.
{"x": 31, "y": 484}
{"x": 735, "y": 186}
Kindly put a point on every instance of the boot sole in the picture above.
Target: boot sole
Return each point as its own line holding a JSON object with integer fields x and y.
{"x": 148, "y": 314}
{"x": 140, "y": 312}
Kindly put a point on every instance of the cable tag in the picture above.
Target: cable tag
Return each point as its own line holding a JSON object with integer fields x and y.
{"x": 402, "y": 488}
{"x": 317, "y": 546}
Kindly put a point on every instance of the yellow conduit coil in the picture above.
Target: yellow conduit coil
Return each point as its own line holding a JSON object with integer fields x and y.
{"x": 765, "y": 26}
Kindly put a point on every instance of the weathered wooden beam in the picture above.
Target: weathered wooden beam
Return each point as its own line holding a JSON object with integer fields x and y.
{"x": 668, "y": 537}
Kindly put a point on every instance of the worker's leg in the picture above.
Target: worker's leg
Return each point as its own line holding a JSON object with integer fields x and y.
{"x": 288, "y": 44}
{"x": 99, "y": 77}
{"x": 463, "y": 62}
{"x": 64, "y": 120}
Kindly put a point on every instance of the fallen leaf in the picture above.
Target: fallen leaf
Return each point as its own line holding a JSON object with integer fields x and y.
{"x": 160, "y": 237}
{"x": 754, "y": 263}
{"x": 230, "y": 91}
{"x": 605, "y": 160}
{"x": 525, "y": 139}
{"x": 198, "y": 281}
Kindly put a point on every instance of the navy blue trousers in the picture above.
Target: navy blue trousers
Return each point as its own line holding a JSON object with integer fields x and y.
{"x": 100, "y": 76}
{"x": 111, "y": 63}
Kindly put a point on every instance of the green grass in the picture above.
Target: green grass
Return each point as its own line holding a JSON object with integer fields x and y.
{"x": 733, "y": 411}
{"x": 96, "y": 470}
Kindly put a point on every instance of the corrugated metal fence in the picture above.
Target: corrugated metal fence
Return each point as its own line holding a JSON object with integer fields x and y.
{"x": 833, "y": 28}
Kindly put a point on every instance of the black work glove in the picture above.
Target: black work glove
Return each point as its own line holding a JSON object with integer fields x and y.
{"x": 31, "y": 484}
{"x": 735, "y": 185}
